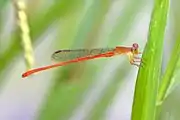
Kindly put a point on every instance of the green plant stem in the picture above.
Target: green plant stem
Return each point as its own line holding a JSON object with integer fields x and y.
{"x": 144, "y": 106}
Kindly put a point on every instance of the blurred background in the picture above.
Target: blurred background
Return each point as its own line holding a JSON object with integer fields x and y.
{"x": 99, "y": 89}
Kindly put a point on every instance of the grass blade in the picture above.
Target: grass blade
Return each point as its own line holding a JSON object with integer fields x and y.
{"x": 144, "y": 106}
{"x": 167, "y": 80}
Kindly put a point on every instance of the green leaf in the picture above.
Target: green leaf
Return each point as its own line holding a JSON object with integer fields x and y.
{"x": 144, "y": 105}
{"x": 168, "y": 78}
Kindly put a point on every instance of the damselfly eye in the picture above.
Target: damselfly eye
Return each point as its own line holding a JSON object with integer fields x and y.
{"x": 135, "y": 46}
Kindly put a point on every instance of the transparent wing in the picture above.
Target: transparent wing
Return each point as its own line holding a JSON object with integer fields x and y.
{"x": 65, "y": 55}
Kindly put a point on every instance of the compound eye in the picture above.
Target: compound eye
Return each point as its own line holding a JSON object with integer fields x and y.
{"x": 135, "y": 46}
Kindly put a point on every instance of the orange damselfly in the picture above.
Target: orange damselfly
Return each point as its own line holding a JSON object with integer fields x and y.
{"x": 71, "y": 56}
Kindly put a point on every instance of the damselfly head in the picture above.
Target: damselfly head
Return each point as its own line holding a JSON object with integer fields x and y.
{"x": 135, "y": 48}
